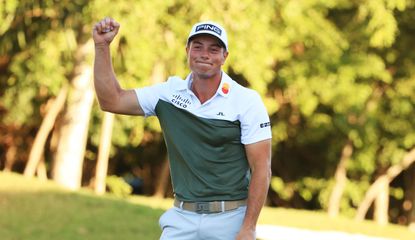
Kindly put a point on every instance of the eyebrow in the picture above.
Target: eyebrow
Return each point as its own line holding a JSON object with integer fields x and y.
{"x": 214, "y": 45}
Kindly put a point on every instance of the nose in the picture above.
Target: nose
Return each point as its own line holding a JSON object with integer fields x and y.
{"x": 204, "y": 53}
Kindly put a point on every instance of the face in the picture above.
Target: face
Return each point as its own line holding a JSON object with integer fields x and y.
{"x": 205, "y": 56}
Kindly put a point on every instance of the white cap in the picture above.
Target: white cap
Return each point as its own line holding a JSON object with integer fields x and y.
{"x": 212, "y": 28}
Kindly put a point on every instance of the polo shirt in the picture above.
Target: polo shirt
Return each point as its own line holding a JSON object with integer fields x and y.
{"x": 205, "y": 142}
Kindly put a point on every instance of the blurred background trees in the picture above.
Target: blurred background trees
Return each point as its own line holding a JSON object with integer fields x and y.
{"x": 337, "y": 78}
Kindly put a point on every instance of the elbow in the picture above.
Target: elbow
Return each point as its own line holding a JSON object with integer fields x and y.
{"x": 106, "y": 107}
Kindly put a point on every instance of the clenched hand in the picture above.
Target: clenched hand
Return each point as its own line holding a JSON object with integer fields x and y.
{"x": 105, "y": 30}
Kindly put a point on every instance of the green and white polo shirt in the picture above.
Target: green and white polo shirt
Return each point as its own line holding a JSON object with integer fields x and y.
{"x": 205, "y": 142}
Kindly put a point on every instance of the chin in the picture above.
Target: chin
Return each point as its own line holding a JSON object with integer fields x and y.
{"x": 204, "y": 75}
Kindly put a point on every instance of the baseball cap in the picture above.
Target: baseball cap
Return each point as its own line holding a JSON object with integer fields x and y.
{"x": 211, "y": 28}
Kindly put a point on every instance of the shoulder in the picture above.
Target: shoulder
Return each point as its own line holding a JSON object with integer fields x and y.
{"x": 243, "y": 94}
{"x": 174, "y": 80}
{"x": 176, "y": 83}
{"x": 172, "y": 84}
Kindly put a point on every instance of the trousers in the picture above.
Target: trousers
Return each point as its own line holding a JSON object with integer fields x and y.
{"x": 180, "y": 224}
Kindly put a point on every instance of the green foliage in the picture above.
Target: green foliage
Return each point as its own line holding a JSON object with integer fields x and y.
{"x": 118, "y": 186}
{"x": 341, "y": 85}
{"x": 397, "y": 193}
{"x": 7, "y": 12}
{"x": 41, "y": 41}
{"x": 309, "y": 187}
{"x": 284, "y": 192}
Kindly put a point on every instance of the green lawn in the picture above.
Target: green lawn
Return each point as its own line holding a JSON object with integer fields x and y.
{"x": 31, "y": 209}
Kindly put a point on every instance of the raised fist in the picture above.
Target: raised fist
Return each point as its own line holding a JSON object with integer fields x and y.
{"x": 105, "y": 30}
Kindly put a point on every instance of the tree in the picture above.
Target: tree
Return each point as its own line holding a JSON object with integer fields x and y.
{"x": 37, "y": 150}
{"x": 378, "y": 187}
{"x": 340, "y": 181}
{"x": 73, "y": 129}
{"x": 104, "y": 152}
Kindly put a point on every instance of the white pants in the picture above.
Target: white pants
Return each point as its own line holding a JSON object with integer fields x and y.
{"x": 180, "y": 224}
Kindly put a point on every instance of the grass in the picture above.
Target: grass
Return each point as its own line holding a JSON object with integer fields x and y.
{"x": 35, "y": 210}
{"x": 320, "y": 221}
{"x": 31, "y": 209}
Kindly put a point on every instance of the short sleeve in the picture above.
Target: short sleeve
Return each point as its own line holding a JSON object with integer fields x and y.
{"x": 255, "y": 123}
{"x": 148, "y": 97}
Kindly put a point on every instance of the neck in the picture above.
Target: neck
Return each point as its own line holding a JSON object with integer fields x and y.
{"x": 205, "y": 88}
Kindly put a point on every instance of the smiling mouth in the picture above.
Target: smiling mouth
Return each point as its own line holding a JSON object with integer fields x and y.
{"x": 204, "y": 63}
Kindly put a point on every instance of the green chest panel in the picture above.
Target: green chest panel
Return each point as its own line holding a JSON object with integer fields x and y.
{"x": 207, "y": 159}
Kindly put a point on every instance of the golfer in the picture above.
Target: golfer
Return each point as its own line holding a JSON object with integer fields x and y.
{"x": 217, "y": 133}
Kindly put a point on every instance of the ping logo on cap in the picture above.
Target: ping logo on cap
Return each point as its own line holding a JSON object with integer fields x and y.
{"x": 209, "y": 27}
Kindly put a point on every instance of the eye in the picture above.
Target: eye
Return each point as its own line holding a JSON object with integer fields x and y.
{"x": 214, "y": 50}
{"x": 197, "y": 47}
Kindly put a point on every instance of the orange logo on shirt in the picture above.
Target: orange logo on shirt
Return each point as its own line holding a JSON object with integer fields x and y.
{"x": 225, "y": 88}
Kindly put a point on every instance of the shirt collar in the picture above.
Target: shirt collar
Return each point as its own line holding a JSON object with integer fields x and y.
{"x": 225, "y": 85}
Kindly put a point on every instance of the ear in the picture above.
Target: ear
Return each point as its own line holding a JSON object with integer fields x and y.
{"x": 225, "y": 55}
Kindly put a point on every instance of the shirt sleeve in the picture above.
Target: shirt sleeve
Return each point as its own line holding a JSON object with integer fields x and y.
{"x": 255, "y": 123}
{"x": 148, "y": 97}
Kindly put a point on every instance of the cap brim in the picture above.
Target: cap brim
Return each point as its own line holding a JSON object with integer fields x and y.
{"x": 209, "y": 34}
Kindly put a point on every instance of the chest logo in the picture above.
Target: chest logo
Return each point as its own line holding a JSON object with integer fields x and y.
{"x": 225, "y": 88}
{"x": 180, "y": 101}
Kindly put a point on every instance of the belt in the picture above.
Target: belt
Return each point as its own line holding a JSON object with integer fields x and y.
{"x": 209, "y": 207}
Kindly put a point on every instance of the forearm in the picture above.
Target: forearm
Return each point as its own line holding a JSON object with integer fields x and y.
{"x": 257, "y": 194}
{"x": 106, "y": 85}
{"x": 259, "y": 158}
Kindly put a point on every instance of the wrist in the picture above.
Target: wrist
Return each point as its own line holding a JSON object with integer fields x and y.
{"x": 249, "y": 227}
{"x": 102, "y": 45}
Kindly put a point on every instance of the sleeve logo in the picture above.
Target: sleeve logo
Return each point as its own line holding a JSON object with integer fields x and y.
{"x": 263, "y": 125}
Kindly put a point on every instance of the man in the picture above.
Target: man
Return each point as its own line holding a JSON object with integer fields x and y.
{"x": 217, "y": 134}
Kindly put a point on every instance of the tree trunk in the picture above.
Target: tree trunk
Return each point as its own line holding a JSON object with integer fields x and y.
{"x": 103, "y": 153}
{"x": 69, "y": 157}
{"x": 409, "y": 204}
{"x": 377, "y": 186}
{"x": 163, "y": 180}
{"x": 340, "y": 181}
{"x": 382, "y": 203}
{"x": 41, "y": 170}
{"x": 36, "y": 152}
{"x": 158, "y": 75}
{"x": 10, "y": 157}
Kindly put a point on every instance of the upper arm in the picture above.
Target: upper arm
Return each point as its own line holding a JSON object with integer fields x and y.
{"x": 259, "y": 155}
{"x": 126, "y": 103}
{"x": 255, "y": 123}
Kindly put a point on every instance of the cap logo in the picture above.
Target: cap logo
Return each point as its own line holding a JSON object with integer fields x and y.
{"x": 209, "y": 27}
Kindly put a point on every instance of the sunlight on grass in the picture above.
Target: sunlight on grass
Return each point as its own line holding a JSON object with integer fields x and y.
{"x": 157, "y": 203}
{"x": 320, "y": 221}
{"x": 31, "y": 209}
